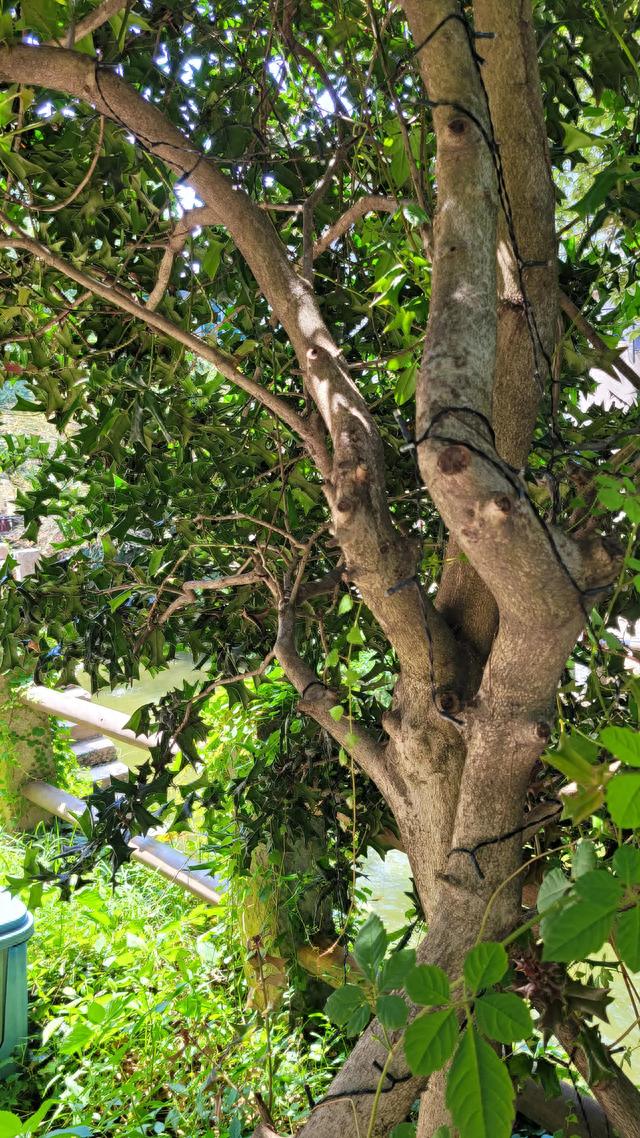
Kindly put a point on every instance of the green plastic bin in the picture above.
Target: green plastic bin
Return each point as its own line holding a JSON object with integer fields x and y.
{"x": 16, "y": 926}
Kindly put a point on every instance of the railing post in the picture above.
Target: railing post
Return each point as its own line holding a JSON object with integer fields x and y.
{"x": 26, "y": 752}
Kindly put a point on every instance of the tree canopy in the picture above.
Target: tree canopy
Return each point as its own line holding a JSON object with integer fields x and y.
{"x": 313, "y": 294}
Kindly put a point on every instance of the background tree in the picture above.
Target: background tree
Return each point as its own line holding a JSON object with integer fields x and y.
{"x": 237, "y": 245}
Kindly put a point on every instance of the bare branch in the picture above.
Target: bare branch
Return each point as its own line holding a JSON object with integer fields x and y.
{"x": 370, "y": 203}
{"x": 596, "y": 341}
{"x": 176, "y": 243}
{"x": 317, "y": 701}
{"x": 90, "y": 23}
{"x": 188, "y": 594}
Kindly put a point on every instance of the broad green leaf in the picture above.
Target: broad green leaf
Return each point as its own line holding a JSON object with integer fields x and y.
{"x": 626, "y": 862}
{"x": 553, "y": 888}
{"x": 480, "y": 1094}
{"x": 396, "y": 968}
{"x": 10, "y": 1125}
{"x": 600, "y": 888}
{"x": 404, "y": 1130}
{"x": 346, "y": 604}
{"x": 392, "y": 1012}
{"x": 354, "y": 635}
{"x": 503, "y": 1016}
{"x": 623, "y": 743}
{"x": 336, "y": 712}
{"x": 428, "y": 985}
{"x": 429, "y": 1041}
{"x": 578, "y": 929}
{"x": 628, "y": 937}
{"x": 343, "y": 1003}
{"x": 623, "y": 800}
{"x": 371, "y": 945}
{"x": 484, "y": 965}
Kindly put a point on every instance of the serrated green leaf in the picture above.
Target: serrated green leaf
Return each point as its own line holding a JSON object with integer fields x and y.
{"x": 396, "y": 968}
{"x": 429, "y": 1041}
{"x": 623, "y": 743}
{"x": 371, "y": 945}
{"x": 628, "y": 938}
{"x": 623, "y": 800}
{"x": 428, "y": 985}
{"x": 480, "y": 1094}
{"x": 484, "y": 965}
{"x": 392, "y": 1012}
{"x": 343, "y": 1003}
{"x": 626, "y": 862}
{"x": 503, "y": 1016}
{"x": 575, "y": 931}
{"x": 358, "y": 1021}
{"x": 600, "y": 888}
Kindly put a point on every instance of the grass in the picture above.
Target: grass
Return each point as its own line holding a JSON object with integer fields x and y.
{"x": 139, "y": 1019}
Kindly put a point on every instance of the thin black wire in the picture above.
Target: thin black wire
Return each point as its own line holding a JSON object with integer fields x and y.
{"x": 472, "y": 851}
{"x": 394, "y": 1081}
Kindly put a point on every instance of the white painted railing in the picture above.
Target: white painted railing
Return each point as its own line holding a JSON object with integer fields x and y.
{"x": 160, "y": 856}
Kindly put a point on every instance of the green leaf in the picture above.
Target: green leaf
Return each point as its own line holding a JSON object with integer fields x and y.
{"x": 485, "y": 965}
{"x": 623, "y": 743}
{"x": 396, "y": 968}
{"x": 428, "y": 985}
{"x": 336, "y": 712}
{"x": 429, "y": 1041}
{"x": 371, "y": 945}
{"x": 626, "y": 862}
{"x": 10, "y": 1125}
{"x": 584, "y": 859}
{"x": 575, "y": 139}
{"x": 554, "y": 886}
{"x": 480, "y": 1094}
{"x": 628, "y": 937}
{"x": 623, "y": 800}
{"x": 358, "y": 1021}
{"x": 503, "y": 1016}
{"x": 346, "y": 604}
{"x": 600, "y": 888}
{"x": 575, "y": 931}
{"x": 404, "y": 1130}
{"x": 343, "y": 1003}
{"x": 354, "y": 635}
{"x": 392, "y": 1012}
{"x": 333, "y": 658}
